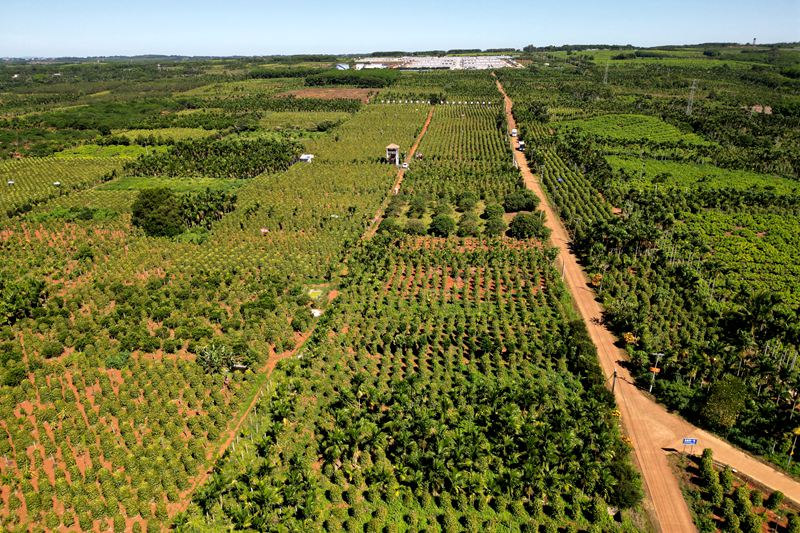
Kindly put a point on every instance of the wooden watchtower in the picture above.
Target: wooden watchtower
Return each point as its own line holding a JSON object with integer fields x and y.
{"x": 393, "y": 154}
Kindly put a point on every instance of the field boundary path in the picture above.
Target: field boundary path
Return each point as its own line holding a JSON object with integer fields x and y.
{"x": 275, "y": 358}
{"x": 266, "y": 371}
{"x": 654, "y": 432}
{"x": 376, "y": 220}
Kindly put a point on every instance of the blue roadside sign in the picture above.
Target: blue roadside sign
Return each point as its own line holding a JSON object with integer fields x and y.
{"x": 689, "y": 442}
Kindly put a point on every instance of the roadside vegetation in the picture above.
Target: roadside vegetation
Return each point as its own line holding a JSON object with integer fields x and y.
{"x": 687, "y": 223}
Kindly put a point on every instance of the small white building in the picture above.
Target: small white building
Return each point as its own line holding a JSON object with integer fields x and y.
{"x": 393, "y": 154}
{"x": 307, "y": 158}
{"x": 342, "y": 66}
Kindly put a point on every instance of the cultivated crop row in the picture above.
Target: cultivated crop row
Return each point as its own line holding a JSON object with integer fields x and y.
{"x": 25, "y": 182}
{"x": 108, "y": 301}
{"x": 428, "y": 400}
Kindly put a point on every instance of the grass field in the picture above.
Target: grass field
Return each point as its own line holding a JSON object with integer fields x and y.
{"x": 238, "y": 88}
{"x": 94, "y": 150}
{"x": 136, "y": 183}
{"x": 119, "y": 201}
{"x": 301, "y": 120}
{"x": 756, "y": 250}
{"x": 175, "y": 134}
{"x": 34, "y": 179}
{"x": 635, "y": 128}
{"x": 673, "y": 174}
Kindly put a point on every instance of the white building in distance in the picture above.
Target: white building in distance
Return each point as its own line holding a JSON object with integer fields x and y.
{"x": 438, "y": 63}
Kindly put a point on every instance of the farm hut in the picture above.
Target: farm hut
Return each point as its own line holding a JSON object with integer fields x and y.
{"x": 307, "y": 158}
{"x": 10, "y": 182}
{"x": 393, "y": 154}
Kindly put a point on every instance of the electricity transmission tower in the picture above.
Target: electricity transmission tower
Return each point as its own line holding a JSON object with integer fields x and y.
{"x": 690, "y": 105}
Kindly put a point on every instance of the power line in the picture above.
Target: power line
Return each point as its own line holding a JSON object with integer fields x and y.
{"x": 690, "y": 105}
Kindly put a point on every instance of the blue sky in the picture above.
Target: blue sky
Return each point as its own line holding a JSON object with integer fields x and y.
{"x": 247, "y": 27}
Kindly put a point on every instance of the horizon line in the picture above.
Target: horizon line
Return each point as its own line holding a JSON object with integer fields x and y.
{"x": 598, "y": 46}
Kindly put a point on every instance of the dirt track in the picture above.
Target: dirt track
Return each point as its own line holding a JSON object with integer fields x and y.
{"x": 652, "y": 429}
{"x": 376, "y": 220}
{"x": 274, "y": 359}
{"x": 231, "y": 434}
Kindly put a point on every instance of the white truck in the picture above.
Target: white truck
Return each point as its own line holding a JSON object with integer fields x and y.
{"x": 514, "y": 132}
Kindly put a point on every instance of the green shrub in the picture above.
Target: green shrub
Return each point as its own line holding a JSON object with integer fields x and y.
{"x": 493, "y": 211}
{"x": 51, "y": 349}
{"x": 442, "y": 226}
{"x": 157, "y": 212}
{"x": 469, "y": 225}
{"x": 725, "y": 401}
{"x": 495, "y": 227}
{"x": 528, "y": 226}
{"x": 726, "y": 479}
{"x": 522, "y": 200}
{"x": 415, "y": 227}
{"x": 756, "y": 498}
{"x": 467, "y": 201}
{"x": 793, "y": 524}
{"x": 774, "y": 501}
{"x": 390, "y": 225}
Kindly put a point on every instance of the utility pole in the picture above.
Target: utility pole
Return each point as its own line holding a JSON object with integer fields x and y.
{"x": 690, "y": 105}
{"x": 655, "y": 370}
{"x": 614, "y": 381}
{"x": 605, "y": 76}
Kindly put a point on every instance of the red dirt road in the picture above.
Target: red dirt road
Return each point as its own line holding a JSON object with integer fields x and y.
{"x": 651, "y": 428}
